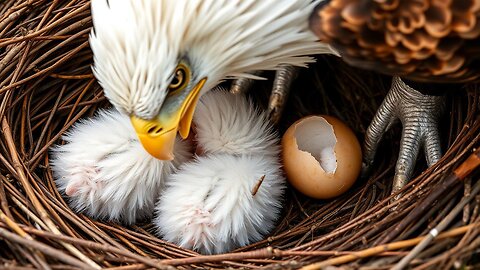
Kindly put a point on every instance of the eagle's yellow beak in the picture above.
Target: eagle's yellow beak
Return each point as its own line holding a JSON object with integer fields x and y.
{"x": 158, "y": 135}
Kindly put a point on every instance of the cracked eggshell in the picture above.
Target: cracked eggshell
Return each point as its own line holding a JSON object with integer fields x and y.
{"x": 322, "y": 156}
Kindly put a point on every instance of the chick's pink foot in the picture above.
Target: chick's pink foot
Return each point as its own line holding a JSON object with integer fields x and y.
{"x": 82, "y": 181}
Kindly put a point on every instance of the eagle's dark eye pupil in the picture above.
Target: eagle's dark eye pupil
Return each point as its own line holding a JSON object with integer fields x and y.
{"x": 175, "y": 81}
{"x": 178, "y": 79}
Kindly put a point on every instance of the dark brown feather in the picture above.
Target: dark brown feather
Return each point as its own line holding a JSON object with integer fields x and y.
{"x": 422, "y": 40}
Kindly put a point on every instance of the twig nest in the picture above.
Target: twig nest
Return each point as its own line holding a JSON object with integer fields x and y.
{"x": 321, "y": 156}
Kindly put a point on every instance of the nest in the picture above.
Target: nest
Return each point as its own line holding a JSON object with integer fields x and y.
{"x": 46, "y": 84}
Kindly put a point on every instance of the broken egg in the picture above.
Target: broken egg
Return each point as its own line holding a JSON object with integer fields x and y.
{"x": 322, "y": 156}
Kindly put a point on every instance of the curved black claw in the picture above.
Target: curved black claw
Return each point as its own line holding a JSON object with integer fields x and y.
{"x": 281, "y": 88}
{"x": 242, "y": 85}
{"x": 419, "y": 115}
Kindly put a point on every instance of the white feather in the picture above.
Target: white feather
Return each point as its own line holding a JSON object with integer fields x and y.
{"x": 137, "y": 44}
{"x": 105, "y": 171}
{"x": 208, "y": 204}
{"x": 228, "y": 123}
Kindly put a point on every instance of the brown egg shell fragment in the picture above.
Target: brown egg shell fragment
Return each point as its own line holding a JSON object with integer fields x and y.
{"x": 305, "y": 172}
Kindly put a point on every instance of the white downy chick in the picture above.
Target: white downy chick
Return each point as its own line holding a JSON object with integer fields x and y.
{"x": 227, "y": 123}
{"x": 105, "y": 171}
{"x": 210, "y": 204}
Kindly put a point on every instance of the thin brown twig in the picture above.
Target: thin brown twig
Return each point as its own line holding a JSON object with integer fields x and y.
{"x": 386, "y": 247}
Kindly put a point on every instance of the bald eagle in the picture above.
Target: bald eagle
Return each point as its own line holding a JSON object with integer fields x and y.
{"x": 155, "y": 58}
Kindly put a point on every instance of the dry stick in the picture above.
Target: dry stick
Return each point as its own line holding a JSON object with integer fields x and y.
{"x": 11, "y": 54}
{"x": 370, "y": 182}
{"x": 51, "y": 141}
{"x": 270, "y": 252}
{"x": 31, "y": 195}
{"x": 434, "y": 232}
{"x": 379, "y": 209}
{"x": 447, "y": 254}
{"x": 11, "y": 18}
{"x": 472, "y": 162}
{"x": 130, "y": 245}
{"x": 466, "y": 192}
{"x": 50, "y": 38}
{"x": 470, "y": 237}
{"x": 45, "y": 16}
{"x": 23, "y": 4}
{"x": 7, "y": 28}
{"x": 23, "y": 124}
{"x": 44, "y": 248}
{"x": 157, "y": 249}
{"x": 256, "y": 254}
{"x": 64, "y": 10}
{"x": 332, "y": 210}
{"x": 3, "y": 199}
{"x": 40, "y": 118}
{"x": 142, "y": 234}
{"x": 60, "y": 223}
{"x": 419, "y": 222}
{"x": 386, "y": 247}
{"x": 79, "y": 98}
{"x": 29, "y": 213}
{"x": 14, "y": 226}
{"x": 49, "y": 119}
{"x": 16, "y": 74}
{"x": 62, "y": 44}
{"x": 29, "y": 116}
{"x": 98, "y": 235}
{"x": 98, "y": 246}
{"x": 128, "y": 267}
{"x": 72, "y": 77}
{"x": 44, "y": 71}
{"x": 14, "y": 193}
{"x": 8, "y": 41}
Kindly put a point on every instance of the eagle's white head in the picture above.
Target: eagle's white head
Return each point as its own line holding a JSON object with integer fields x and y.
{"x": 155, "y": 58}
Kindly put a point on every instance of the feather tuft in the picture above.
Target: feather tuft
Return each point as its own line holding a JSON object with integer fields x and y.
{"x": 105, "y": 172}
{"x": 214, "y": 203}
{"x": 208, "y": 204}
{"x": 227, "y": 123}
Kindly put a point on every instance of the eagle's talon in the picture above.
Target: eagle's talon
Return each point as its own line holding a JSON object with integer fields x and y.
{"x": 280, "y": 90}
{"x": 241, "y": 85}
{"x": 419, "y": 115}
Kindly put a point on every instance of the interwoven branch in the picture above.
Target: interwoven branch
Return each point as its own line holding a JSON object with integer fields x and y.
{"x": 46, "y": 85}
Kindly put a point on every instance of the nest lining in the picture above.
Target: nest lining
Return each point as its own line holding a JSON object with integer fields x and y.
{"x": 46, "y": 84}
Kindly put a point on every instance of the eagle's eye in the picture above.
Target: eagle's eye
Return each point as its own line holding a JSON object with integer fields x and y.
{"x": 181, "y": 78}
